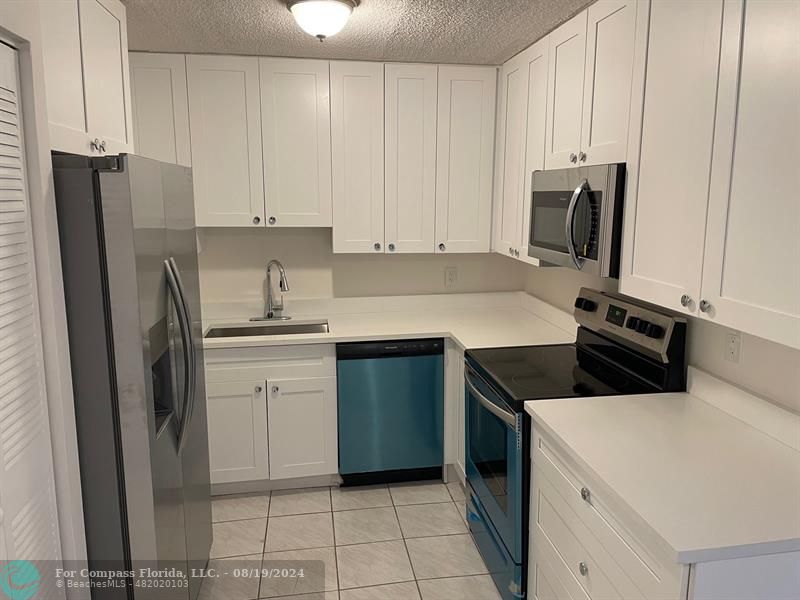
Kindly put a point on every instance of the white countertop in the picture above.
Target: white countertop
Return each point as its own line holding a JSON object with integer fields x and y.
{"x": 484, "y": 326}
{"x": 710, "y": 485}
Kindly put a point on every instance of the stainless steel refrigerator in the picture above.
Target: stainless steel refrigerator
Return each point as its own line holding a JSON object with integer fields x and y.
{"x": 129, "y": 259}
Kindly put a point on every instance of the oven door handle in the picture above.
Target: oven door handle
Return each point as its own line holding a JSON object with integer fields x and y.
{"x": 505, "y": 416}
{"x": 570, "y": 224}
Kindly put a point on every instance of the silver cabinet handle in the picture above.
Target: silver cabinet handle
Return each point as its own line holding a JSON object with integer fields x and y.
{"x": 516, "y": 253}
{"x": 570, "y": 223}
{"x": 686, "y": 300}
{"x": 256, "y": 220}
{"x": 275, "y": 389}
{"x": 442, "y": 247}
{"x": 705, "y": 306}
{"x": 511, "y": 251}
{"x": 582, "y": 156}
{"x": 103, "y": 146}
{"x": 583, "y": 568}
{"x": 272, "y": 220}
{"x": 585, "y": 494}
{"x": 95, "y": 145}
{"x": 258, "y": 389}
{"x": 377, "y": 246}
{"x": 573, "y": 158}
{"x": 391, "y": 247}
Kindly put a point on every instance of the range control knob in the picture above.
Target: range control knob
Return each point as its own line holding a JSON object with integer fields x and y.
{"x": 632, "y": 322}
{"x": 642, "y": 326}
{"x": 585, "y": 304}
{"x": 654, "y": 331}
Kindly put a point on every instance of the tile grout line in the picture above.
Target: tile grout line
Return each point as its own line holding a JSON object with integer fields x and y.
{"x": 335, "y": 553}
{"x": 405, "y": 545}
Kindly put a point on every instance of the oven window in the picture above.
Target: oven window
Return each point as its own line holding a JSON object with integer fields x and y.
{"x": 488, "y": 450}
{"x": 549, "y": 216}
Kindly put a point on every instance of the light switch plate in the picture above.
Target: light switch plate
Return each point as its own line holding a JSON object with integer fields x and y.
{"x": 450, "y": 277}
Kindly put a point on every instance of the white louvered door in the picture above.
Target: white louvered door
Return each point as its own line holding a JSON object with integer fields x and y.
{"x": 28, "y": 517}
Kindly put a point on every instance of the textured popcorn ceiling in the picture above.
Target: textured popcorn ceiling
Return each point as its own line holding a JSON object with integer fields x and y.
{"x": 446, "y": 31}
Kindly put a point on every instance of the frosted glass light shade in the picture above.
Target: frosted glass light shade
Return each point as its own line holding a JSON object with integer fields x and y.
{"x": 322, "y": 18}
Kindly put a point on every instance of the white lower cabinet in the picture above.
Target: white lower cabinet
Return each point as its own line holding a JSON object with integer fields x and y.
{"x": 237, "y": 431}
{"x": 271, "y": 412}
{"x": 301, "y": 414}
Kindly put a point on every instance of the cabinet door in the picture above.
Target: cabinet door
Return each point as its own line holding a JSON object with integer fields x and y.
{"x": 63, "y": 72}
{"x": 671, "y": 135}
{"x": 565, "y": 93}
{"x": 410, "y": 157}
{"x": 104, "y": 48}
{"x": 357, "y": 144}
{"x": 296, "y": 122}
{"x": 303, "y": 439}
{"x": 510, "y": 159}
{"x": 537, "y": 59}
{"x": 237, "y": 431}
{"x": 225, "y": 117}
{"x": 610, "y": 37}
{"x": 464, "y": 156}
{"x": 160, "y": 107}
{"x": 751, "y": 276}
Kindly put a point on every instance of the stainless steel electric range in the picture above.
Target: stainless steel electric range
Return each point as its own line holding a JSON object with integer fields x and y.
{"x": 622, "y": 347}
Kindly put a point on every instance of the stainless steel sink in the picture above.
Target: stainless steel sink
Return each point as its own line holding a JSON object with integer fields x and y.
{"x": 281, "y": 328}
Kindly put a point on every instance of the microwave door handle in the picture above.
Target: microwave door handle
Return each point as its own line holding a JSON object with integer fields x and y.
{"x": 192, "y": 351}
{"x": 507, "y": 418}
{"x": 185, "y": 332}
{"x": 570, "y": 224}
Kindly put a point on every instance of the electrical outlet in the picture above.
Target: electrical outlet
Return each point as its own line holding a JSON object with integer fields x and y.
{"x": 450, "y": 277}
{"x": 733, "y": 346}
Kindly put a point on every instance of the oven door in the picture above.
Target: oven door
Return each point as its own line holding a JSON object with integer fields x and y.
{"x": 495, "y": 461}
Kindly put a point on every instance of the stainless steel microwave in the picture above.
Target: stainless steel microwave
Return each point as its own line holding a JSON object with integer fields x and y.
{"x": 576, "y": 218}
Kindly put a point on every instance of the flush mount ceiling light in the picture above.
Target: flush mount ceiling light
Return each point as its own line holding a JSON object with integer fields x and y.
{"x": 322, "y": 18}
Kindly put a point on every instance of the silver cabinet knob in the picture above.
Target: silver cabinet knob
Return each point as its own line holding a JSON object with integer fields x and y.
{"x": 583, "y": 568}
{"x": 686, "y": 300}
{"x": 582, "y": 156}
{"x": 377, "y": 246}
{"x": 516, "y": 252}
{"x": 511, "y": 251}
{"x": 585, "y": 494}
{"x": 573, "y": 158}
{"x": 391, "y": 247}
{"x": 256, "y": 220}
{"x": 272, "y": 220}
{"x": 442, "y": 247}
{"x": 103, "y": 146}
{"x": 95, "y": 145}
{"x": 275, "y": 389}
{"x": 705, "y": 306}
{"x": 258, "y": 389}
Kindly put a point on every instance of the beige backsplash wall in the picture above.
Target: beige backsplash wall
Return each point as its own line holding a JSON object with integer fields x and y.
{"x": 767, "y": 369}
{"x": 232, "y": 263}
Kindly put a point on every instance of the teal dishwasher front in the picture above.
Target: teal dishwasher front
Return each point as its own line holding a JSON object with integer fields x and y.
{"x": 391, "y": 410}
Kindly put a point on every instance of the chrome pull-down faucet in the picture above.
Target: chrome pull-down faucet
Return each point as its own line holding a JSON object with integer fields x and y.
{"x": 273, "y": 309}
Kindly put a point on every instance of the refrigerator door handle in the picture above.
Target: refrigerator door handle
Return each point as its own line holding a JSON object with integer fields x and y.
{"x": 192, "y": 351}
{"x": 186, "y": 334}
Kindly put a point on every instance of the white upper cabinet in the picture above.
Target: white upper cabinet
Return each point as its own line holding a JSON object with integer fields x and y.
{"x": 357, "y": 153}
{"x": 565, "y": 93}
{"x": 160, "y": 107}
{"x": 537, "y": 59}
{"x": 296, "y": 125}
{"x": 671, "y": 137}
{"x": 410, "y": 156}
{"x": 510, "y": 156}
{"x": 751, "y": 277}
{"x": 610, "y": 37}
{"x": 85, "y": 47}
{"x": 465, "y": 152}
{"x": 589, "y": 92}
{"x": 224, "y": 111}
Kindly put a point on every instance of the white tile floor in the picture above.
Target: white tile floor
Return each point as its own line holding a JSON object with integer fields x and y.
{"x": 397, "y": 542}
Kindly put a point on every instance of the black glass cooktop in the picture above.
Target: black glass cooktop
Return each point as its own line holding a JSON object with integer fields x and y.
{"x": 555, "y": 371}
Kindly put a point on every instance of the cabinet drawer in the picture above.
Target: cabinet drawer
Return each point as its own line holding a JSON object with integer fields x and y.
{"x": 552, "y": 518}
{"x": 552, "y": 579}
{"x": 651, "y": 573}
{"x": 267, "y": 362}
